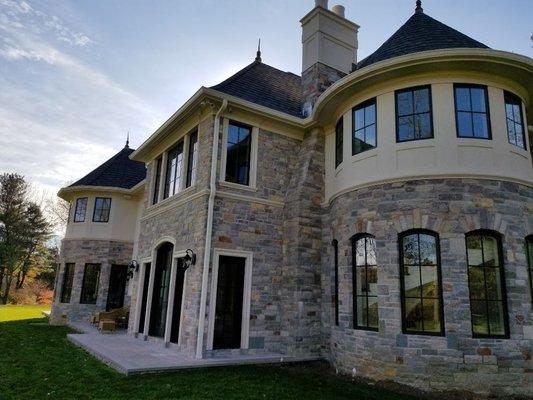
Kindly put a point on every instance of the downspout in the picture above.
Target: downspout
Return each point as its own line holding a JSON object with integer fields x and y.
{"x": 209, "y": 230}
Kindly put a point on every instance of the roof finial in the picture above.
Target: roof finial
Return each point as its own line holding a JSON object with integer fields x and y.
{"x": 127, "y": 141}
{"x": 258, "y": 56}
{"x": 419, "y": 9}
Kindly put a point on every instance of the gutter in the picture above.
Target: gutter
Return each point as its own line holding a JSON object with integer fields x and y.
{"x": 209, "y": 230}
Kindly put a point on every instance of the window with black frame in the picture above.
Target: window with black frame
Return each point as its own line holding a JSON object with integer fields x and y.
{"x": 68, "y": 278}
{"x": 364, "y": 127}
{"x": 472, "y": 111}
{"x": 515, "y": 121}
{"x": 365, "y": 281}
{"x": 238, "y": 153}
{"x": 157, "y": 180}
{"x": 192, "y": 159}
{"x": 529, "y": 252}
{"x": 335, "y": 245}
{"x": 486, "y": 280}
{"x": 420, "y": 279}
{"x": 102, "y": 208}
{"x": 80, "y": 210}
{"x": 414, "y": 120}
{"x": 339, "y": 133}
{"x": 174, "y": 170}
{"x": 89, "y": 288}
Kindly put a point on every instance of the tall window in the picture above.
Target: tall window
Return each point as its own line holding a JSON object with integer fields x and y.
{"x": 81, "y": 208}
{"x": 68, "y": 277}
{"x": 192, "y": 159}
{"x": 157, "y": 180}
{"x": 486, "y": 279}
{"x": 335, "y": 245}
{"x": 339, "y": 132}
{"x": 472, "y": 111}
{"x": 364, "y": 127}
{"x": 414, "y": 114}
{"x": 515, "y": 122}
{"x": 239, "y": 147}
{"x": 365, "y": 280}
{"x": 102, "y": 207}
{"x": 89, "y": 288}
{"x": 174, "y": 170}
{"x": 420, "y": 280}
{"x": 529, "y": 252}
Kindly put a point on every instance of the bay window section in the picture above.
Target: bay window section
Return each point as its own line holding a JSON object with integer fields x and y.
{"x": 80, "y": 210}
{"x": 174, "y": 170}
{"x": 364, "y": 127}
{"x": 414, "y": 120}
{"x": 420, "y": 281}
{"x": 102, "y": 208}
{"x": 365, "y": 280}
{"x": 472, "y": 111}
{"x": 339, "y": 132}
{"x": 89, "y": 288}
{"x": 192, "y": 159}
{"x": 238, "y": 153}
{"x": 515, "y": 121}
{"x": 486, "y": 280}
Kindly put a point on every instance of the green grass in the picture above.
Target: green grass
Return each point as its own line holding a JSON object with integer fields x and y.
{"x": 14, "y": 313}
{"x": 37, "y": 362}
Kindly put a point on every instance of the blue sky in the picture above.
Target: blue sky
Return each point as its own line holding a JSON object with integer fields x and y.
{"x": 75, "y": 76}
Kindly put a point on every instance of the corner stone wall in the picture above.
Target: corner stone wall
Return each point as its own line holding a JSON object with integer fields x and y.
{"x": 83, "y": 251}
{"x": 456, "y": 361}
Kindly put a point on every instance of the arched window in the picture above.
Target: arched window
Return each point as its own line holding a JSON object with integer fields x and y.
{"x": 365, "y": 280}
{"x": 335, "y": 245}
{"x": 529, "y": 252}
{"x": 420, "y": 281}
{"x": 486, "y": 280}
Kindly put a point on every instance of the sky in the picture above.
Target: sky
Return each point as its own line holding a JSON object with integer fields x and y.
{"x": 76, "y": 76}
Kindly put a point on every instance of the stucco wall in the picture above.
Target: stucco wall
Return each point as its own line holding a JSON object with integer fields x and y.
{"x": 451, "y": 207}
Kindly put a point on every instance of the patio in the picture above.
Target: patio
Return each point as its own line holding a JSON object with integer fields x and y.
{"x": 130, "y": 355}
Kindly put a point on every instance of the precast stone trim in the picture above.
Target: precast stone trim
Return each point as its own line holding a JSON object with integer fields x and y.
{"x": 456, "y": 361}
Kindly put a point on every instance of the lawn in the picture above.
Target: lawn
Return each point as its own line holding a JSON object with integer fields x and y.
{"x": 37, "y": 362}
{"x": 14, "y": 313}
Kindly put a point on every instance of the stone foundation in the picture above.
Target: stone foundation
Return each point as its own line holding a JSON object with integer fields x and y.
{"x": 456, "y": 361}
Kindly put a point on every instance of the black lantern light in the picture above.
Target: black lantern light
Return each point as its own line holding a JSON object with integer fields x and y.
{"x": 189, "y": 259}
{"x": 133, "y": 266}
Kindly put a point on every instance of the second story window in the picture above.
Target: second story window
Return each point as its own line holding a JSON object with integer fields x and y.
{"x": 102, "y": 207}
{"x": 238, "y": 154}
{"x": 414, "y": 120}
{"x": 472, "y": 111}
{"x": 81, "y": 208}
{"x": 157, "y": 180}
{"x": 192, "y": 159}
{"x": 338, "y": 142}
{"x": 364, "y": 127}
{"x": 515, "y": 124}
{"x": 174, "y": 170}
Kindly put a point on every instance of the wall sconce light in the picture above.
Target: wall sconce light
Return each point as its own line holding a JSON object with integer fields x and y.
{"x": 133, "y": 266}
{"x": 189, "y": 259}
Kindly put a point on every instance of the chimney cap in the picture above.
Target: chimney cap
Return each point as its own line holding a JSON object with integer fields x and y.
{"x": 339, "y": 10}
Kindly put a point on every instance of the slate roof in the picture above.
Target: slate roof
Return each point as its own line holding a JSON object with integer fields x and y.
{"x": 118, "y": 172}
{"x": 267, "y": 86}
{"x": 420, "y": 33}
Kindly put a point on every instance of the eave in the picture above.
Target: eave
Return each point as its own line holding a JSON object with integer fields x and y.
{"x": 68, "y": 192}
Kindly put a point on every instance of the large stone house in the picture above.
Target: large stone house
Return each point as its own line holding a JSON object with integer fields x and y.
{"x": 376, "y": 213}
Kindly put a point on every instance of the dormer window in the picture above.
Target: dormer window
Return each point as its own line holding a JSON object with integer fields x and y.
{"x": 414, "y": 120}
{"x": 515, "y": 122}
{"x": 472, "y": 111}
{"x": 81, "y": 208}
{"x": 102, "y": 207}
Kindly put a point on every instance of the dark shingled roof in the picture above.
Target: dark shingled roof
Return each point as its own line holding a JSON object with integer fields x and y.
{"x": 420, "y": 33}
{"x": 118, "y": 172}
{"x": 267, "y": 86}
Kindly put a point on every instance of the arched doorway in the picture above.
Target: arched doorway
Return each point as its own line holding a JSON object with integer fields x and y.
{"x": 158, "y": 311}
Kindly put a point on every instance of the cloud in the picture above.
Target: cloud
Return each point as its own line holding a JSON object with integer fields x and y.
{"x": 60, "y": 117}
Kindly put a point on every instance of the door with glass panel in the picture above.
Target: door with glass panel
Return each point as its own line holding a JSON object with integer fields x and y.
{"x": 158, "y": 311}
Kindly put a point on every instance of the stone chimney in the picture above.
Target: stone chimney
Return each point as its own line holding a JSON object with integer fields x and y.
{"x": 329, "y": 44}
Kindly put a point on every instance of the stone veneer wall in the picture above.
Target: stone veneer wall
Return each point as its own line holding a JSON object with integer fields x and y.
{"x": 81, "y": 252}
{"x": 450, "y": 207}
{"x": 315, "y": 80}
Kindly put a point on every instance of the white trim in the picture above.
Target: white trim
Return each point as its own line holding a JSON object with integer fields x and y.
{"x": 246, "y": 295}
{"x": 251, "y": 199}
{"x": 252, "y": 181}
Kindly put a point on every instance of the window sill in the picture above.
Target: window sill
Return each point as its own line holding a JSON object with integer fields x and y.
{"x": 519, "y": 152}
{"x": 237, "y": 186}
{"x": 364, "y": 155}
{"x": 170, "y": 199}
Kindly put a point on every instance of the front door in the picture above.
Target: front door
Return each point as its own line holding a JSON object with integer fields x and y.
{"x": 158, "y": 312}
{"x": 228, "y": 314}
{"x": 117, "y": 286}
